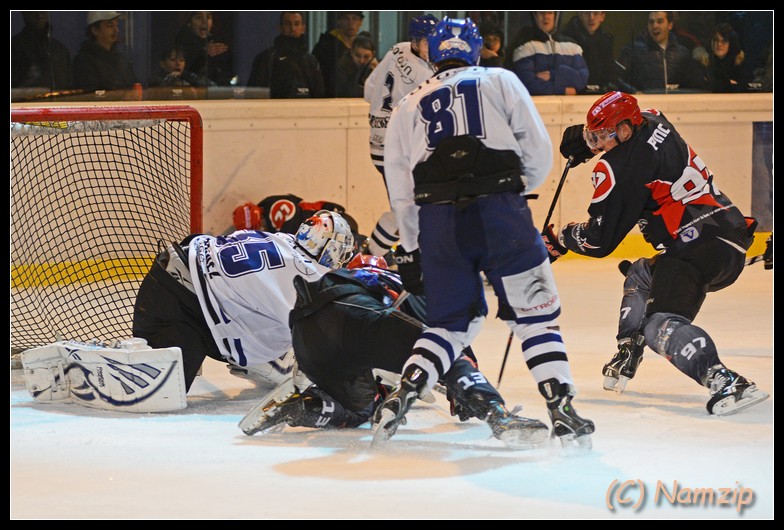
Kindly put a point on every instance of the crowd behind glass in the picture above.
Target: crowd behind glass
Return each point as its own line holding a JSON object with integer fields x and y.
{"x": 134, "y": 55}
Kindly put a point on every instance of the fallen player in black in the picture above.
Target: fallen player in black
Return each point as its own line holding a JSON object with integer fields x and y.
{"x": 351, "y": 323}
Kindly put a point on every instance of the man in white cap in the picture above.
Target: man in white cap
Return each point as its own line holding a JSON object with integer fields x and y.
{"x": 100, "y": 63}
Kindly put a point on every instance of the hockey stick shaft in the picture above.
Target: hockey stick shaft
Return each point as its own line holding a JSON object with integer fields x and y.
{"x": 506, "y": 355}
{"x": 568, "y": 166}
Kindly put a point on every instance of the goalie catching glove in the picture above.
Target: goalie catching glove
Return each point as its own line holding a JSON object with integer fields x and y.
{"x": 573, "y": 145}
{"x": 554, "y": 248}
{"x": 409, "y": 266}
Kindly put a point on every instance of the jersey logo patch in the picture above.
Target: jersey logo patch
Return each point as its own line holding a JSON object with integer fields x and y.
{"x": 281, "y": 211}
{"x": 603, "y": 181}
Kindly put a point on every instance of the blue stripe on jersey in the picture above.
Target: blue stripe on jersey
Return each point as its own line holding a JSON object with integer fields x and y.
{"x": 541, "y": 339}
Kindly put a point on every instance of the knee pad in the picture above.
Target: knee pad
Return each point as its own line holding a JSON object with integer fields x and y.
{"x": 636, "y": 288}
{"x": 685, "y": 345}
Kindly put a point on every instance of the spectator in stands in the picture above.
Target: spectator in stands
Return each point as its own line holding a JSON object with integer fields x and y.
{"x": 726, "y": 71}
{"x": 655, "y": 61}
{"x": 763, "y": 76}
{"x": 355, "y": 67}
{"x": 492, "y": 53}
{"x": 586, "y": 30}
{"x": 101, "y": 64}
{"x": 695, "y": 45}
{"x": 172, "y": 71}
{"x": 332, "y": 45}
{"x": 203, "y": 54}
{"x": 548, "y": 62}
{"x": 286, "y": 67}
{"x": 37, "y": 58}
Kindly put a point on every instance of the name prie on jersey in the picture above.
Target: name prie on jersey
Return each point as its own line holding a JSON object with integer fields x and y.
{"x": 658, "y": 136}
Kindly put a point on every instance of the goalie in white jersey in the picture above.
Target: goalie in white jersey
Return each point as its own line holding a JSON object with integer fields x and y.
{"x": 402, "y": 69}
{"x": 229, "y": 297}
{"x": 461, "y": 150}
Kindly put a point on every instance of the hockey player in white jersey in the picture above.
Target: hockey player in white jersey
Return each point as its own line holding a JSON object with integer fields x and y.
{"x": 460, "y": 152}
{"x": 229, "y": 297}
{"x": 402, "y": 69}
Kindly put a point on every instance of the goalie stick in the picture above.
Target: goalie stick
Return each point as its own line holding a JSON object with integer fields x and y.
{"x": 568, "y": 166}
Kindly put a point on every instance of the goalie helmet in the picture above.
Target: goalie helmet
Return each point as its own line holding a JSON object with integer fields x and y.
{"x": 420, "y": 27}
{"x": 326, "y": 237}
{"x": 455, "y": 38}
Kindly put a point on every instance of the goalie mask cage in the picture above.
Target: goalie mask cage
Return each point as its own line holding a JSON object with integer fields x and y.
{"x": 94, "y": 192}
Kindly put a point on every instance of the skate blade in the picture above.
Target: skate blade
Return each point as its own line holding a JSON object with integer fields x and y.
{"x": 254, "y": 420}
{"x": 526, "y": 438}
{"x": 615, "y": 384}
{"x": 729, "y": 405}
{"x": 576, "y": 444}
{"x": 384, "y": 429}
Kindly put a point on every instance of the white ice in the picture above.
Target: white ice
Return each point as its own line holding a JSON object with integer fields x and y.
{"x": 69, "y": 462}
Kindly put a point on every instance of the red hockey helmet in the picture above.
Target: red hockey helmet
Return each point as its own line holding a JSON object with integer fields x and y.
{"x": 247, "y": 216}
{"x": 611, "y": 109}
{"x": 606, "y": 114}
{"x": 367, "y": 260}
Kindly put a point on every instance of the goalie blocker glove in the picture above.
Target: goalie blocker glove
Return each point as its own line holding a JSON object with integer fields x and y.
{"x": 409, "y": 266}
{"x": 554, "y": 248}
{"x": 573, "y": 145}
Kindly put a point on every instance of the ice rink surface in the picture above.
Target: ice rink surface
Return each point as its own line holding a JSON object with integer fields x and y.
{"x": 656, "y": 453}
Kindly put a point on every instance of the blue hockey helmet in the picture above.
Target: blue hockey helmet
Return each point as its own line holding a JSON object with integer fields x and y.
{"x": 455, "y": 38}
{"x": 420, "y": 27}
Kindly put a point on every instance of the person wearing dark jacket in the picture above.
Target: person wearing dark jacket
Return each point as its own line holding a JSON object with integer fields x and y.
{"x": 100, "y": 64}
{"x": 493, "y": 53}
{"x": 547, "y": 62}
{"x": 656, "y": 62}
{"x": 332, "y": 45}
{"x": 203, "y": 54}
{"x": 586, "y": 29}
{"x": 726, "y": 71}
{"x": 355, "y": 66}
{"x": 38, "y": 59}
{"x": 286, "y": 67}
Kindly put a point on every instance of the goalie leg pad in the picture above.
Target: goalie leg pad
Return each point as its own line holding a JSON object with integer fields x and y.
{"x": 131, "y": 379}
{"x": 45, "y": 374}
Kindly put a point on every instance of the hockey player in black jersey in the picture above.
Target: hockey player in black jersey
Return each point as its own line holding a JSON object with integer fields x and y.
{"x": 649, "y": 176}
{"x": 354, "y": 324}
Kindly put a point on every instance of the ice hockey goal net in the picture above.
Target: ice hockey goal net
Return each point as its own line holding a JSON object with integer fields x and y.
{"x": 93, "y": 192}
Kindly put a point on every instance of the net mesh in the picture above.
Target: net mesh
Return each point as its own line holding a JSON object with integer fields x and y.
{"x": 89, "y": 205}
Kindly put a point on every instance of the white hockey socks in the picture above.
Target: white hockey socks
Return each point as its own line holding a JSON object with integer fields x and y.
{"x": 128, "y": 377}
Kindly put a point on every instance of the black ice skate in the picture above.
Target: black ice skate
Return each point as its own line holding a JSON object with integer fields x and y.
{"x": 624, "y": 363}
{"x": 514, "y": 430}
{"x": 731, "y": 392}
{"x": 392, "y": 411}
{"x": 570, "y": 428}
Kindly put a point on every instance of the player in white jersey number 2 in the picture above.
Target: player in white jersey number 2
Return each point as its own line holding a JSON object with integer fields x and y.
{"x": 229, "y": 297}
{"x": 402, "y": 69}
{"x": 461, "y": 151}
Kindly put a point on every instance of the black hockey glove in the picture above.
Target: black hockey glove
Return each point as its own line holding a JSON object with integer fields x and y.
{"x": 573, "y": 144}
{"x": 409, "y": 267}
{"x": 554, "y": 248}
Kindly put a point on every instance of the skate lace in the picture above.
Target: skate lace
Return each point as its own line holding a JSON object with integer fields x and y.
{"x": 719, "y": 382}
